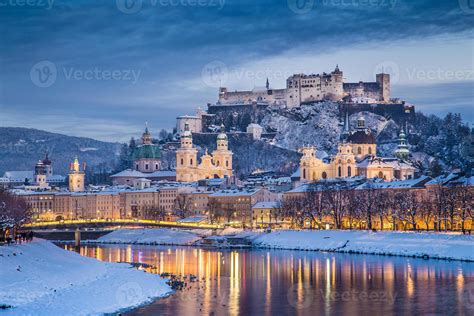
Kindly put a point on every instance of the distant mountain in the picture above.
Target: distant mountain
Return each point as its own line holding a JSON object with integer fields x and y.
{"x": 21, "y": 148}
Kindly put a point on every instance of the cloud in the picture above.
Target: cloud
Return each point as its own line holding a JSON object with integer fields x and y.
{"x": 170, "y": 44}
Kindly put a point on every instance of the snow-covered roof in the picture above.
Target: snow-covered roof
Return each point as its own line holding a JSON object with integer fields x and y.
{"x": 19, "y": 175}
{"x": 235, "y": 192}
{"x": 401, "y": 184}
{"x": 273, "y": 204}
{"x": 137, "y": 174}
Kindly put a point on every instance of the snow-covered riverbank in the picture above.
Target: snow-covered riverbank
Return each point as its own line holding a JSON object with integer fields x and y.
{"x": 150, "y": 236}
{"x": 39, "y": 278}
{"x": 432, "y": 245}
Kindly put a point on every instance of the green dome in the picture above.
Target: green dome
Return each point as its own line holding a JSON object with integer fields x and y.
{"x": 147, "y": 151}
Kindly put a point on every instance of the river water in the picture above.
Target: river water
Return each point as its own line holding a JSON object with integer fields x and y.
{"x": 283, "y": 282}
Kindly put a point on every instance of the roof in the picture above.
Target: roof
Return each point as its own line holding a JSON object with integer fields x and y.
{"x": 147, "y": 151}
{"x": 129, "y": 173}
{"x": 361, "y": 137}
{"x": 274, "y": 204}
{"x": 235, "y": 192}
{"x": 403, "y": 184}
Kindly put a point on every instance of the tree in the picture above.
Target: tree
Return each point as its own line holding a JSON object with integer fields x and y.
{"x": 14, "y": 211}
{"x": 465, "y": 199}
{"x": 183, "y": 205}
{"x": 154, "y": 212}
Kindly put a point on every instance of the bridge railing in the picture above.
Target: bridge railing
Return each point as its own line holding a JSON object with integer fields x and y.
{"x": 121, "y": 221}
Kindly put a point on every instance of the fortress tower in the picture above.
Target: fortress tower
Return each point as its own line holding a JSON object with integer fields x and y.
{"x": 76, "y": 177}
{"x": 384, "y": 84}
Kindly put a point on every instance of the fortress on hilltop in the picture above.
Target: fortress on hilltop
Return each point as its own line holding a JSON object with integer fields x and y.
{"x": 303, "y": 88}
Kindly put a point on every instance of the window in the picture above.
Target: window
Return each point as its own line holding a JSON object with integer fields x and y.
{"x": 227, "y": 163}
{"x": 324, "y": 175}
{"x": 339, "y": 171}
{"x": 359, "y": 151}
{"x": 191, "y": 161}
{"x": 370, "y": 150}
{"x": 146, "y": 166}
{"x": 349, "y": 171}
{"x": 304, "y": 174}
{"x": 381, "y": 175}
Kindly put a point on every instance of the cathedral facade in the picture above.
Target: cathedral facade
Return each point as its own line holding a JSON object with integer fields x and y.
{"x": 356, "y": 156}
{"x": 217, "y": 165}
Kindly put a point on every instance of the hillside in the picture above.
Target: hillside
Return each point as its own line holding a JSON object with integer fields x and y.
{"x": 21, "y": 148}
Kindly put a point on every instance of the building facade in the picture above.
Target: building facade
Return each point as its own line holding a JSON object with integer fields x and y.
{"x": 217, "y": 165}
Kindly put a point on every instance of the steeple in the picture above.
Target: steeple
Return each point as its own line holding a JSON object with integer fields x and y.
{"x": 402, "y": 150}
{"x": 267, "y": 84}
{"x": 146, "y": 137}
{"x": 346, "y": 129}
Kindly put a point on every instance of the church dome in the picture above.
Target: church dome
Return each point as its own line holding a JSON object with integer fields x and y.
{"x": 361, "y": 137}
{"x": 147, "y": 151}
{"x": 222, "y": 135}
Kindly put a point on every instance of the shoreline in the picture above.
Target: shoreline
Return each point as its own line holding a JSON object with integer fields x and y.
{"x": 422, "y": 245}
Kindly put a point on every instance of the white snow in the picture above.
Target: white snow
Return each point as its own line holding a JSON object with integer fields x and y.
{"x": 156, "y": 236}
{"x": 433, "y": 245}
{"x": 40, "y": 278}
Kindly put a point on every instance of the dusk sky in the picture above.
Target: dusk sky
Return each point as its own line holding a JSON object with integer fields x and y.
{"x": 101, "y": 69}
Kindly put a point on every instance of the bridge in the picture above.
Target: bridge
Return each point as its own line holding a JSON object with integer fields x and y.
{"x": 115, "y": 223}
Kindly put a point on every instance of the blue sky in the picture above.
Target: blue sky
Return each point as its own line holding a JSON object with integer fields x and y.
{"x": 102, "y": 69}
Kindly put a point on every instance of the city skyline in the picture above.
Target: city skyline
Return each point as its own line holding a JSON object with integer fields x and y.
{"x": 159, "y": 59}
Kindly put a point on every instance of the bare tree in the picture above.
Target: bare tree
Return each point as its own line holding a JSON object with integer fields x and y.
{"x": 14, "y": 212}
{"x": 154, "y": 212}
{"x": 183, "y": 205}
{"x": 465, "y": 204}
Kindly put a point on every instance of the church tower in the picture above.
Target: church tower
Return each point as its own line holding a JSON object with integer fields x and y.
{"x": 186, "y": 158}
{"x": 76, "y": 177}
{"x": 222, "y": 156}
{"x": 40, "y": 175}
{"x": 402, "y": 150}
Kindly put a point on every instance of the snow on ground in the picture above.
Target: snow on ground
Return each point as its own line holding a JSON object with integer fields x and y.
{"x": 39, "y": 278}
{"x": 146, "y": 236}
{"x": 433, "y": 245}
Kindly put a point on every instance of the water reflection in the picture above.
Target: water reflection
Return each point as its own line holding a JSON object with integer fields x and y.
{"x": 248, "y": 282}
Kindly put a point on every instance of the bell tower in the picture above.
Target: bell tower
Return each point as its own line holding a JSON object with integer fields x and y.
{"x": 76, "y": 177}
{"x": 222, "y": 156}
{"x": 186, "y": 158}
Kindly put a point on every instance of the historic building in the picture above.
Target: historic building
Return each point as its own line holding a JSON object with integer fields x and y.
{"x": 303, "y": 88}
{"x": 217, "y": 165}
{"x": 356, "y": 156}
{"x": 147, "y": 156}
{"x": 76, "y": 177}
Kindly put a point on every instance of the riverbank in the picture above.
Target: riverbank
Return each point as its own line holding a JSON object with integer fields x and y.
{"x": 412, "y": 244}
{"x": 39, "y": 278}
{"x": 422, "y": 245}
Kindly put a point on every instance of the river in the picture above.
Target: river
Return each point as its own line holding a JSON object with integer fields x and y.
{"x": 282, "y": 282}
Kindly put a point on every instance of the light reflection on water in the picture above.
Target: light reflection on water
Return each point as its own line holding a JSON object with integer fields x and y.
{"x": 269, "y": 282}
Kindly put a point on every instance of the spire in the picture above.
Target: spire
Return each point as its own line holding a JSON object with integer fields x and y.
{"x": 267, "y": 84}
{"x": 402, "y": 150}
{"x": 146, "y": 137}
{"x": 346, "y": 130}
